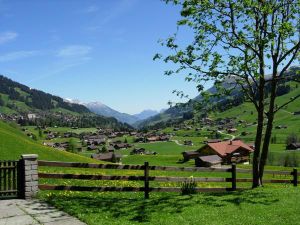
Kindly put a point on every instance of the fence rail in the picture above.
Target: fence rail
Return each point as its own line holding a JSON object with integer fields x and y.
{"x": 8, "y": 179}
{"x": 147, "y": 178}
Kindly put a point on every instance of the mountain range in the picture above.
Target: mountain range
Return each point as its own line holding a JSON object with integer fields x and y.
{"x": 104, "y": 110}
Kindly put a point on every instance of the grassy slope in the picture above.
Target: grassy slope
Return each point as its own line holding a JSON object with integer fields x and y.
{"x": 13, "y": 143}
{"x": 283, "y": 117}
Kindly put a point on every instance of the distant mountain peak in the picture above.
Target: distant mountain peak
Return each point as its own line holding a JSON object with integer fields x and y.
{"x": 145, "y": 114}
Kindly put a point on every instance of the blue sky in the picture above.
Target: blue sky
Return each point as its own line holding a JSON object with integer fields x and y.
{"x": 92, "y": 50}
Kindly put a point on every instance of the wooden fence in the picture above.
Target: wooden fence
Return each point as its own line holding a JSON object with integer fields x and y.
{"x": 9, "y": 179}
{"x": 147, "y": 178}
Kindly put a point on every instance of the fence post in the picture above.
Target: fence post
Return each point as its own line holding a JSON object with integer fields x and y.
{"x": 233, "y": 176}
{"x": 146, "y": 183}
{"x": 28, "y": 176}
{"x": 295, "y": 177}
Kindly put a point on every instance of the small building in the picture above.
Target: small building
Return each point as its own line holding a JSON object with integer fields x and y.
{"x": 138, "y": 151}
{"x": 293, "y": 146}
{"x": 208, "y": 161}
{"x": 190, "y": 155}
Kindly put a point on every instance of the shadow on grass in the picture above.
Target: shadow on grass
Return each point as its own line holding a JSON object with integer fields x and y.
{"x": 139, "y": 210}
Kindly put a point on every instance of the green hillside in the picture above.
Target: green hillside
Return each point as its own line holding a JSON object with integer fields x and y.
{"x": 284, "y": 117}
{"x": 13, "y": 143}
{"x": 18, "y": 100}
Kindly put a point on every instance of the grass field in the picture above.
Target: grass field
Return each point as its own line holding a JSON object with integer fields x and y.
{"x": 262, "y": 206}
{"x": 273, "y": 204}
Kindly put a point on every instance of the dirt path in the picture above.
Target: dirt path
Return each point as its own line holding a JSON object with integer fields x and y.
{"x": 232, "y": 136}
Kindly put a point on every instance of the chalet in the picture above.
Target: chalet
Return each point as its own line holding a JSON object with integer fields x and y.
{"x": 121, "y": 145}
{"x": 110, "y": 157}
{"x": 164, "y": 138}
{"x": 139, "y": 139}
{"x": 281, "y": 127}
{"x": 293, "y": 146}
{"x": 229, "y": 151}
{"x": 31, "y": 116}
{"x": 138, "y": 151}
{"x": 152, "y": 139}
{"x": 142, "y": 151}
{"x": 208, "y": 161}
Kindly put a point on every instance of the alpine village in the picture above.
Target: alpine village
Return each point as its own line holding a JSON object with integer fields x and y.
{"x": 230, "y": 154}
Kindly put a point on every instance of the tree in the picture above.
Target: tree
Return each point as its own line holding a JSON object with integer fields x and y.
{"x": 72, "y": 145}
{"x": 240, "y": 41}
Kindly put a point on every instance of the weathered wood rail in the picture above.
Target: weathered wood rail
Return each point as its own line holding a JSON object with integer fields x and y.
{"x": 147, "y": 178}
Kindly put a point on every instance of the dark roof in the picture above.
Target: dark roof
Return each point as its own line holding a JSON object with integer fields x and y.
{"x": 189, "y": 153}
{"x": 105, "y": 156}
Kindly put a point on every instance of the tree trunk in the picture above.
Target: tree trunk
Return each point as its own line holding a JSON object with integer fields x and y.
{"x": 256, "y": 159}
{"x": 258, "y": 139}
{"x": 268, "y": 134}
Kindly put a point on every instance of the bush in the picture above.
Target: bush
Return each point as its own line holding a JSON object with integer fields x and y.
{"x": 188, "y": 187}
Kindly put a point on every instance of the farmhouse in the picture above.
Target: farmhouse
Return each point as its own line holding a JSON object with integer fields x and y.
{"x": 293, "y": 146}
{"x": 230, "y": 151}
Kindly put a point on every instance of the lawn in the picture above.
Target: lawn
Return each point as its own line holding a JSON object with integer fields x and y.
{"x": 267, "y": 205}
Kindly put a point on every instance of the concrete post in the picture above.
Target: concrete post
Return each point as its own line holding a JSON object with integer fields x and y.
{"x": 30, "y": 175}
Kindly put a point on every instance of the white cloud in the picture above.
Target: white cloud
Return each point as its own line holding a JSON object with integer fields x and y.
{"x": 74, "y": 51}
{"x": 11, "y": 56}
{"x": 7, "y": 36}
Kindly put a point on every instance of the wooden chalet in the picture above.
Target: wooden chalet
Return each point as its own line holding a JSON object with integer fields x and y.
{"x": 229, "y": 152}
{"x": 293, "y": 146}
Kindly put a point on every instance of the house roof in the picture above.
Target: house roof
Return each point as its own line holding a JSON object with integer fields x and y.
{"x": 211, "y": 159}
{"x": 227, "y": 147}
{"x": 105, "y": 156}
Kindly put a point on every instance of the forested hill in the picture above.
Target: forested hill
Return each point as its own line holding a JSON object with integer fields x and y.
{"x": 34, "y": 98}
{"x": 18, "y": 101}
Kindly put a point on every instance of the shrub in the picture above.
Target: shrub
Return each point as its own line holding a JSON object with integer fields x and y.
{"x": 188, "y": 187}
